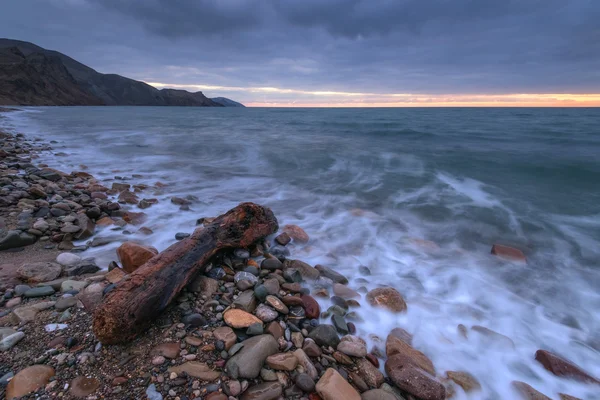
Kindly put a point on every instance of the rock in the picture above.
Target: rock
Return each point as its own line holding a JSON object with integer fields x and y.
{"x": 332, "y": 386}
{"x": 352, "y": 346}
{"x": 226, "y": 335}
{"x": 158, "y": 360}
{"x": 529, "y": 393}
{"x": 296, "y": 233}
{"x": 340, "y": 324}
{"x": 410, "y": 378}
{"x": 388, "y": 298}
{"x": 14, "y": 239}
{"x": 29, "y": 380}
{"x": 307, "y": 272}
{"x": 325, "y": 335}
{"x": 64, "y": 303}
{"x": 39, "y": 291}
{"x": 82, "y": 268}
{"x": 464, "y": 380}
{"x": 283, "y": 239}
{"x": 275, "y": 330}
{"x": 197, "y": 370}
{"x": 91, "y": 297}
{"x": 255, "y": 329}
{"x": 152, "y": 393}
{"x": 272, "y": 287}
{"x": 211, "y": 396}
{"x": 195, "y": 320}
{"x": 341, "y": 358}
{"x": 246, "y": 301}
{"x": 271, "y": 264}
{"x": 562, "y": 367}
{"x": 277, "y": 304}
{"x": 13, "y": 302}
{"x": 263, "y": 391}
{"x": 67, "y": 285}
{"x": 39, "y": 271}
{"x": 245, "y": 280}
{"x": 399, "y": 348}
{"x": 508, "y": 253}
{"x": 168, "y": 350}
{"x": 266, "y": 313}
{"x": 68, "y": 259}
{"x": 377, "y": 394}
{"x": 305, "y": 383}
{"x": 268, "y": 375}
{"x": 83, "y": 387}
{"x": 205, "y": 285}
{"x": 311, "y": 348}
{"x": 87, "y": 227}
{"x": 369, "y": 373}
{"x": 402, "y": 335}
{"x": 232, "y": 388}
{"x": 305, "y": 362}
{"x": 181, "y": 235}
{"x": 133, "y": 255}
{"x": 249, "y": 360}
{"x": 344, "y": 291}
{"x": 240, "y": 319}
{"x": 331, "y": 274}
{"x": 282, "y": 362}
{"x": 493, "y": 336}
{"x": 8, "y": 342}
{"x": 311, "y": 307}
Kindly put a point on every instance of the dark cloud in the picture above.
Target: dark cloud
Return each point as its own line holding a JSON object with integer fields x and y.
{"x": 375, "y": 46}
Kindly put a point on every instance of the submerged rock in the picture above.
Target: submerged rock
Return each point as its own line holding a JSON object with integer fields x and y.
{"x": 562, "y": 367}
{"x": 508, "y": 253}
{"x": 388, "y": 298}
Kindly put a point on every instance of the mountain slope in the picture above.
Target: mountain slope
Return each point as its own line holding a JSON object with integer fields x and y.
{"x": 227, "y": 102}
{"x": 96, "y": 88}
{"x": 37, "y": 79}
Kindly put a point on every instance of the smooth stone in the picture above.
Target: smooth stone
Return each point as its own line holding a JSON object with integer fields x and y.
{"x": 255, "y": 329}
{"x": 64, "y": 303}
{"x": 325, "y": 335}
{"x": 305, "y": 362}
{"x": 10, "y": 341}
{"x": 29, "y": 380}
{"x": 246, "y": 301}
{"x": 331, "y": 274}
{"x": 563, "y": 367}
{"x": 249, "y": 360}
{"x": 369, "y": 373}
{"x": 271, "y": 264}
{"x": 377, "y": 394}
{"x": 68, "y": 259}
{"x": 352, "y": 346}
{"x": 277, "y": 304}
{"x": 265, "y": 313}
{"x": 181, "y": 235}
{"x": 68, "y": 285}
{"x": 463, "y": 379}
{"x": 387, "y": 298}
{"x": 169, "y": 350}
{"x": 240, "y": 319}
{"x": 195, "y": 320}
{"x": 412, "y": 379}
{"x": 197, "y": 370}
{"x": 398, "y": 347}
{"x": 282, "y": 361}
{"x": 311, "y": 307}
{"x": 39, "y": 271}
{"x": 226, "y": 335}
{"x": 305, "y": 383}
{"x": 263, "y": 391}
{"x": 39, "y": 292}
{"x": 340, "y": 324}
{"x": 83, "y": 386}
{"x": 332, "y": 386}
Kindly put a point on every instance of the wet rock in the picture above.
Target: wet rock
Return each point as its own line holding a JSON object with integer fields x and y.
{"x": 388, "y": 298}
{"x": 29, "y": 380}
{"x": 197, "y": 370}
{"x": 508, "y": 253}
{"x": 246, "y": 301}
{"x": 305, "y": 362}
{"x": 240, "y": 319}
{"x": 331, "y": 274}
{"x": 216, "y": 273}
{"x": 311, "y": 307}
{"x": 344, "y": 291}
{"x": 266, "y": 313}
{"x": 226, "y": 335}
{"x": 401, "y": 349}
{"x": 325, "y": 335}
{"x": 39, "y": 271}
{"x": 181, "y": 235}
{"x": 332, "y": 386}
{"x": 133, "y": 255}
{"x": 283, "y": 239}
{"x": 271, "y": 264}
{"x": 282, "y": 361}
{"x": 263, "y": 391}
{"x": 82, "y": 386}
{"x": 408, "y": 377}
{"x": 529, "y": 393}
{"x": 402, "y": 335}
{"x": 169, "y": 350}
{"x": 39, "y": 291}
{"x": 340, "y": 324}
{"x": 494, "y": 337}
{"x": 277, "y": 304}
{"x": 249, "y": 360}
{"x": 352, "y": 346}
{"x": 464, "y": 380}
{"x": 562, "y": 367}
{"x": 308, "y": 273}
{"x": 369, "y": 373}
{"x": 296, "y": 233}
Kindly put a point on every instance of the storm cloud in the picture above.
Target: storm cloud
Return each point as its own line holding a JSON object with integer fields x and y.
{"x": 442, "y": 47}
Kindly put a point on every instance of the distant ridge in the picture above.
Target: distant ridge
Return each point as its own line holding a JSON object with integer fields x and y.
{"x": 33, "y": 76}
{"x": 227, "y": 102}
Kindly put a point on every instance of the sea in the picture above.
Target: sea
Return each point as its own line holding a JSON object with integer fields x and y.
{"x": 418, "y": 195}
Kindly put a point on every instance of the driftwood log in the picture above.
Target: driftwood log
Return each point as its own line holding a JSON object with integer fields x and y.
{"x": 137, "y": 299}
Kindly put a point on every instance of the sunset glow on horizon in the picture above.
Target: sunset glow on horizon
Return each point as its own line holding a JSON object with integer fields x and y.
{"x": 285, "y": 97}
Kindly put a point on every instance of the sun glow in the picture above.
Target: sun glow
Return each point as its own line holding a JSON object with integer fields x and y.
{"x": 282, "y": 97}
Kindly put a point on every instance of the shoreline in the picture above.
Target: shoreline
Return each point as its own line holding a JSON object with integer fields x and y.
{"x": 140, "y": 365}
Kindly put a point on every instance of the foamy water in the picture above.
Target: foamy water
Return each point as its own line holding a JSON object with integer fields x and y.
{"x": 418, "y": 196}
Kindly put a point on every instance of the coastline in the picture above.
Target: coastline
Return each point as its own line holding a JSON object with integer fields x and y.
{"x": 139, "y": 373}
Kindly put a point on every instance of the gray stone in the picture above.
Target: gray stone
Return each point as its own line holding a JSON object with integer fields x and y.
{"x": 272, "y": 286}
{"x": 255, "y": 329}
{"x": 68, "y": 259}
{"x": 39, "y": 291}
{"x": 266, "y": 313}
{"x": 39, "y": 271}
{"x": 305, "y": 382}
{"x": 249, "y": 360}
{"x": 246, "y": 301}
{"x": 205, "y": 285}
{"x": 15, "y": 239}
{"x": 377, "y": 394}
{"x": 325, "y": 335}
{"x": 8, "y": 342}
{"x": 67, "y": 285}
{"x": 331, "y": 274}
{"x": 65, "y": 302}
{"x": 21, "y": 289}
{"x": 268, "y": 375}
{"x": 340, "y": 324}
{"x": 263, "y": 391}
{"x": 84, "y": 267}
{"x": 271, "y": 264}
{"x": 181, "y": 235}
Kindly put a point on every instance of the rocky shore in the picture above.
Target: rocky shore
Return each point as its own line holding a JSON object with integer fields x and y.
{"x": 251, "y": 327}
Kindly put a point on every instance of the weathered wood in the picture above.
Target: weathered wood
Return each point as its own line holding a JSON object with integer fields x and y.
{"x": 131, "y": 305}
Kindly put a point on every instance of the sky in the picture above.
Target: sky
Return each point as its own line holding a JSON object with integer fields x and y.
{"x": 345, "y": 53}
